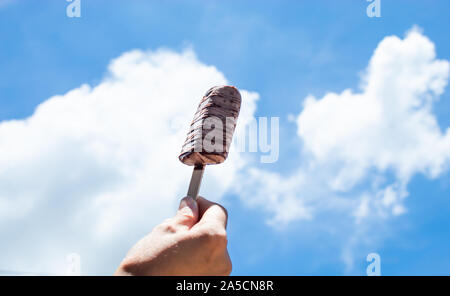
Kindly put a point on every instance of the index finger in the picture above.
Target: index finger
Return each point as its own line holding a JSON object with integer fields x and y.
{"x": 210, "y": 212}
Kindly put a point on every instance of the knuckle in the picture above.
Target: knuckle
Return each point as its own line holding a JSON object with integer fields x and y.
{"x": 213, "y": 236}
{"x": 166, "y": 226}
{"x": 222, "y": 208}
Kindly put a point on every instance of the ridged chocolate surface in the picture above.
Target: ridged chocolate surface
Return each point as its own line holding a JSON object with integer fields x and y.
{"x": 212, "y": 128}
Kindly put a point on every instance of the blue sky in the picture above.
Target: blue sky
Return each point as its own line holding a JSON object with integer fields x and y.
{"x": 284, "y": 51}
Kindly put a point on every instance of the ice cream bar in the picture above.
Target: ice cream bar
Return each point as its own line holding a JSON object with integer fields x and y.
{"x": 209, "y": 138}
{"x": 212, "y": 128}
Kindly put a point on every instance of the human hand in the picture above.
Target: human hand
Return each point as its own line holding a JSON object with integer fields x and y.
{"x": 193, "y": 242}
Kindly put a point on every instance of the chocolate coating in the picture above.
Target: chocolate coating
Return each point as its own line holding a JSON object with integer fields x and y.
{"x": 212, "y": 128}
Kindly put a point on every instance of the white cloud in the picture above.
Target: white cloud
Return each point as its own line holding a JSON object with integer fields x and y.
{"x": 390, "y": 125}
{"x": 96, "y": 168}
{"x": 361, "y": 148}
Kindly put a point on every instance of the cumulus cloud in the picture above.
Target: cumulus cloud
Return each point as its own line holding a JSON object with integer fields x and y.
{"x": 93, "y": 170}
{"x": 96, "y": 168}
{"x": 390, "y": 124}
{"x": 361, "y": 148}
{"x": 388, "y": 127}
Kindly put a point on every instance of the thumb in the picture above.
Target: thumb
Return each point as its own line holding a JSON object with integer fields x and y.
{"x": 187, "y": 214}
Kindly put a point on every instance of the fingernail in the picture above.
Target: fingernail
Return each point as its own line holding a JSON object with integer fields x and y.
{"x": 187, "y": 206}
